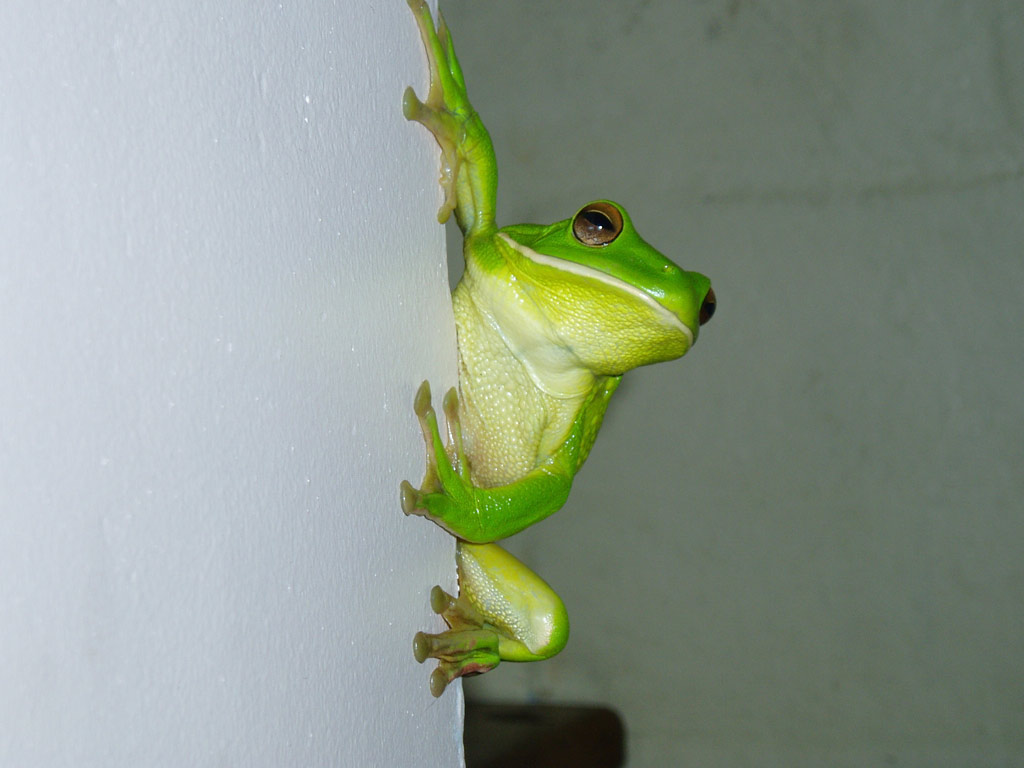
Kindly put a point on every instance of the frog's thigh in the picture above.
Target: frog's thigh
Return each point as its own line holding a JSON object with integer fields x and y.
{"x": 530, "y": 619}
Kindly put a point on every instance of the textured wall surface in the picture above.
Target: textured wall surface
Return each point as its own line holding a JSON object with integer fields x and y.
{"x": 221, "y": 280}
{"x": 803, "y": 542}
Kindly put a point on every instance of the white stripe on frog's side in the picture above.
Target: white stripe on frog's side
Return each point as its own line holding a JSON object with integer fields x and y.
{"x": 670, "y": 319}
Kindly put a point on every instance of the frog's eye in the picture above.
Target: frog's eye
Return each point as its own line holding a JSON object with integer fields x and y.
{"x": 597, "y": 224}
{"x": 707, "y": 307}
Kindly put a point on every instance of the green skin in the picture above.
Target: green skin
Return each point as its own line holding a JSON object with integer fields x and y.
{"x": 548, "y": 320}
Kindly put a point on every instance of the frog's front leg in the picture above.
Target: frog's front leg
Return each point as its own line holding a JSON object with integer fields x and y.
{"x": 469, "y": 171}
{"x": 449, "y": 497}
{"x": 504, "y": 611}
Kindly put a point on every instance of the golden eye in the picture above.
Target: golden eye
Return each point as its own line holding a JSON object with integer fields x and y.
{"x": 707, "y": 307}
{"x": 597, "y": 224}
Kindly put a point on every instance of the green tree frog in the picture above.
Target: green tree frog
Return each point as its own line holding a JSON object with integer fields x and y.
{"x": 548, "y": 318}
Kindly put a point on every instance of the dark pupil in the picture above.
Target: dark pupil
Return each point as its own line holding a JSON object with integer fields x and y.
{"x": 597, "y": 220}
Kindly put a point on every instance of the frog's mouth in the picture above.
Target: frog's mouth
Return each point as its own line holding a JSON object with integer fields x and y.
{"x": 667, "y": 317}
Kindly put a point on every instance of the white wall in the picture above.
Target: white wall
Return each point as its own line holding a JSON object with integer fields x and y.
{"x": 221, "y": 281}
{"x": 804, "y": 540}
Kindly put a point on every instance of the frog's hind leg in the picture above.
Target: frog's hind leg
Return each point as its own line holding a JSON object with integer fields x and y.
{"x": 504, "y": 612}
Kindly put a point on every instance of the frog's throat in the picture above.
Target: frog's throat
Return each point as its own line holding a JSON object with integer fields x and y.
{"x": 552, "y": 367}
{"x": 667, "y": 316}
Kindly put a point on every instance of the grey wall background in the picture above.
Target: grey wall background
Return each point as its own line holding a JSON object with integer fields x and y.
{"x": 801, "y": 544}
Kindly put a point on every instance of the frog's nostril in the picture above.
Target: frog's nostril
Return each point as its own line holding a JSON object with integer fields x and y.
{"x": 707, "y": 307}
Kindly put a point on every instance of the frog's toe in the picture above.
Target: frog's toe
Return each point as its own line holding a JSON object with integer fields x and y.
{"x": 439, "y": 680}
{"x": 410, "y": 498}
{"x": 421, "y": 647}
{"x": 440, "y": 601}
{"x": 421, "y": 403}
{"x": 451, "y": 406}
{"x": 412, "y": 107}
{"x": 446, "y": 672}
{"x": 445, "y": 211}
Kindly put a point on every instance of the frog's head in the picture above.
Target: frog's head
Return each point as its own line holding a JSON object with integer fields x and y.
{"x": 611, "y": 298}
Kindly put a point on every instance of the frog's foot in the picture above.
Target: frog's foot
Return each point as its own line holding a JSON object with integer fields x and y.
{"x": 446, "y": 482}
{"x": 446, "y": 109}
{"x": 468, "y": 648}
